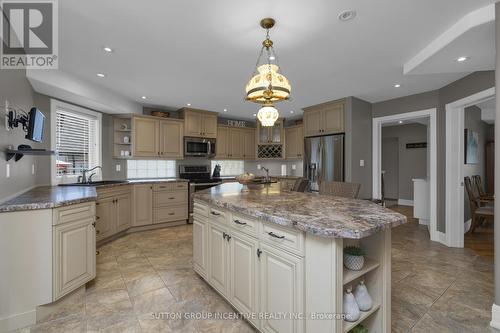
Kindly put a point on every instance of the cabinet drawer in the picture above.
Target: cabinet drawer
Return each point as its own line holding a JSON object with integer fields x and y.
{"x": 73, "y": 213}
{"x": 200, "y": 209}
{"x": 217, "y": 216}
{"x": 113, "y": 191}
{"x": 284, "y": 238}
{"x": 180, "y": 186}
{"x": 165, "y": 198}
{"x": 167, "y": 214}
{"x": 245, "y": 225}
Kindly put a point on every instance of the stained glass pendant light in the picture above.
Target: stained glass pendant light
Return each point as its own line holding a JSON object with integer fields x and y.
{"x": 267, "y": 85}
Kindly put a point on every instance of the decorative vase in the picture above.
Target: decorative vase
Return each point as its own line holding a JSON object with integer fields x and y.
{"x": 351, "y": 309}
{"x": 354, "y": 263}
{"x": 362, "y": 297}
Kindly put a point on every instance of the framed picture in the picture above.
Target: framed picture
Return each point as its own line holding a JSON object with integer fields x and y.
{"x": 471, "y": 148}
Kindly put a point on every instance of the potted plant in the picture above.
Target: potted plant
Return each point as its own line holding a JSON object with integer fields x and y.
{"x": 359, "y": 329}
{"x": 354, "y": 258}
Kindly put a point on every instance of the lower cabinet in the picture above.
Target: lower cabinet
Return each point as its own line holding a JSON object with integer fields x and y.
{"x": 143, "y": 205}
{"x": 113, "y": 211}
{"x": 123, "y": 211}
{"x": 253, "y": 275}
{"x": 73, "y": 253}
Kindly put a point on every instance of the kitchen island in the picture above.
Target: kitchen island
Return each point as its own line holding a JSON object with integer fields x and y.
{"x": 277, "y": 256}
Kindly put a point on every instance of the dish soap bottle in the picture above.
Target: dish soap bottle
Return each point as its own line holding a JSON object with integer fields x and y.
{"x": 351, "y": 309}
{"x": 362, "y": 297}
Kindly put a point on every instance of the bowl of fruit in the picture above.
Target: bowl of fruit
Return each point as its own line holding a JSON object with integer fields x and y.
{"x": 245, "y": 179}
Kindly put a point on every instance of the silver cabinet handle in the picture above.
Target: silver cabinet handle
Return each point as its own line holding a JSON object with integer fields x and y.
{"x": 215, "y": 213}
{"x": 272, "y": 234}
{"x": 239, "y": 222}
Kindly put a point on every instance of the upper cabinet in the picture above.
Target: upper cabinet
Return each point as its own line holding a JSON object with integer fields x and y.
{"x": 271, "y": 140}
{"x": 294, "y": 142}
{"x": 162, "y": 138}
{"x": 326, "y": 118}
{"x": 235, "y": 143}
{"x": 199, "y": 123}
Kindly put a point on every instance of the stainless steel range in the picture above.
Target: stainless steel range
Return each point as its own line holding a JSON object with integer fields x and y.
{"x": 199, "y": 179}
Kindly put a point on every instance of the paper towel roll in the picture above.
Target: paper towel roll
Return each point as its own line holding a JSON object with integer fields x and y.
{"x": 283, "y": 169}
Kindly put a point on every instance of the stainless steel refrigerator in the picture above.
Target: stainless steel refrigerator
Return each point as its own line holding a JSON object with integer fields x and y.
{"x": 324, "y": 159}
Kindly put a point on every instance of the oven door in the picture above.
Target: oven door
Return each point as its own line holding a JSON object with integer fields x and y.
{"x": 198, "y": 147}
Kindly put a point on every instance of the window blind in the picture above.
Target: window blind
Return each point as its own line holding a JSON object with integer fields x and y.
{"x": 76, "y": 142}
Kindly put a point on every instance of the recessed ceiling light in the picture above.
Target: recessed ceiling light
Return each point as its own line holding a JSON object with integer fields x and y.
{"x": 143, "y": 97}
{"x": 108, "y": 49}
{"x": 101, "y": 74}
{"x": 400, "y": 121}
{"x": 347, "y": 15}
{"x": 225, "y": 110}
{"x": 188, "y": 104}
{"x": 397, "y": 85}
{"x": 255, "y": 114}
{"x": 272, "y": 58}
{"x": 291, "y": 111}
{"x": 462, "y": 59}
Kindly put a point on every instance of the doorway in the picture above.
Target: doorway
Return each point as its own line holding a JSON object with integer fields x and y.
{"x": 457, "y": 165}
{"x": 431, "y": 144}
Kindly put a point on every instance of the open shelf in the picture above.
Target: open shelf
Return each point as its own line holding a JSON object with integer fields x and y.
{"x": 18, "y": 154}
{"x": 350, "y": 325}
{"x": 123, "y": 143}
{"x": 369, "y": 266}
{"x": 123, "y": 130}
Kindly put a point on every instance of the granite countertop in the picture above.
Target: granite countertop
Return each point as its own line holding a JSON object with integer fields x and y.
{"x": 321, "y": 215}
{"x": 44, "y": 197}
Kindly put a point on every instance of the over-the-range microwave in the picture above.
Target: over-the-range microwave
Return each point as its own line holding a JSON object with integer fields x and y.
{"x": 199, "y": 147}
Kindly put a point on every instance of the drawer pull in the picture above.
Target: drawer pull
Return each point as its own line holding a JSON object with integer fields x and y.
{"x": 259, "y": 252}
{"x": 162, "y": 187}
{"x": 97, "y": 253}
{"x": 272, "y": 234}
{"x": 97, "y": 232}
{"x": 171, "y": 198}
{"x": 239, "y": 222}
{"x": 97, "y": 218}
{"x": 215, "y": 213}
{"x": 93, "y": 224}
{"x": 171, "y": 213}
{"x": 224, "y": 235}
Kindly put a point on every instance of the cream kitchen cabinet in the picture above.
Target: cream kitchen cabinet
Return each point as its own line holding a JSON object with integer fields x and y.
{"x": 235, "y": 143}
{"x": 222, "y": 145}
{"x": 294, "y": 142}
{"x": 199, "y": 123}
{"x": 143, "y": 204}
{"x": 218, "y": 252}
{"x": 326, "y": 118}
{"x": 170, "y": 202}
{"x": 74, "y": 248}
{"x": 157, "y": 138}
{"x": 273, "y": 134}
{"x": 200, "y": 246}
{"x": 113, "y": 211}
{"x": 249, "y": 144}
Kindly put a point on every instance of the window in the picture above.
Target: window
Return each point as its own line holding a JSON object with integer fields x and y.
{"x": 150, "y": 169}
{"x": 76, "y": 138}
{"x": 230, "y": 167}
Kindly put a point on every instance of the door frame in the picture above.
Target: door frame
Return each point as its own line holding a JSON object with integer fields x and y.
{"x": 377, "y": 159}
{"x": 454, "y": 205}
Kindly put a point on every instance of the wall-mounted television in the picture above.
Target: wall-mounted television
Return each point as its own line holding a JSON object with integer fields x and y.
{"x": 36, "y": 122}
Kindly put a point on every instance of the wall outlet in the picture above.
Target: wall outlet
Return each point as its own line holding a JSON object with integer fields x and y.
{"x": 361, "y": 163}
{"x": 7, "y": 170}
{"x": 33, "y": 168}
{"x": 294, "y": 167}
{"x": 7, "y": 115}
{"x": 259, "y": 167}
{"x": 118, "y": 168}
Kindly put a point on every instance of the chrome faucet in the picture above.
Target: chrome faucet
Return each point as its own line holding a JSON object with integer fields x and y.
{"x": 267, "y": 173}
{"x": 83, "y": 178}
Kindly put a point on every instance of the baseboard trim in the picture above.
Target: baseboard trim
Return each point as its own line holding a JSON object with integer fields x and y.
{"x": 18, "y": 321}
{"x": 495, "y": 316}
{"x": 405, "y": 202}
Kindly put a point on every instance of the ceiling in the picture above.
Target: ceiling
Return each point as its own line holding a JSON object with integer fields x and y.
{"x": 203, "y": 52}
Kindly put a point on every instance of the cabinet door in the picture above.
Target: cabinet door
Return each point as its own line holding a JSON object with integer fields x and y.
{"x": 74, "y": 252}
{"x": 193, "y": 124}
{"x": 145, "y": 142}
{"x": 222, "y": 144}
{"x": 300, "y": 141}
{"x": 143, "y": 204}
{"x": 333, "y": 119}
{"x": 276, "y": 132}
{"x": 249, "y": 144}
{"x": 123, "y": 207}
{"x": 200, "y": 246}
{"x": 281, "y": 289}
{"x": 171, "y": 136}
{"x": 218, "y": 258}
{"x": 291, "y": 142}
{"x": 243, "y": 272}
{"x": 235, "y": 143}
{"x": 209, "y": 125}
{"x": 105, "y": 215}
{"x": 312, "y": 122}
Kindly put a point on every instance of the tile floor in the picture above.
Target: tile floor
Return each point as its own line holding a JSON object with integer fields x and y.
{"x": 435, "y": 289}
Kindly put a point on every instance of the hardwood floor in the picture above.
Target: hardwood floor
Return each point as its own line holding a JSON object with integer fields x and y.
{"x": 481, "y": 241}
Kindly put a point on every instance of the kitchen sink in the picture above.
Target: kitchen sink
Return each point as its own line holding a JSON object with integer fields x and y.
{"x": 262, "y": 181}
{"x": 97, "y": 183}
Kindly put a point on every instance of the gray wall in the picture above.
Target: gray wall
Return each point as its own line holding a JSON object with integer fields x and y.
{"x": 472, "y": 121}
{"x": 462, "y": 88}
{"x": 412, "y": 163}
{"x": 15, "y": 88}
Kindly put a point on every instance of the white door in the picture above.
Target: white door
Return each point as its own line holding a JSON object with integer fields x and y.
{"x": 244, "y": 273}
{"x": 281, "y": 290}
{"x": 200, "y": 246}
{"x": 218, "y": 258}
